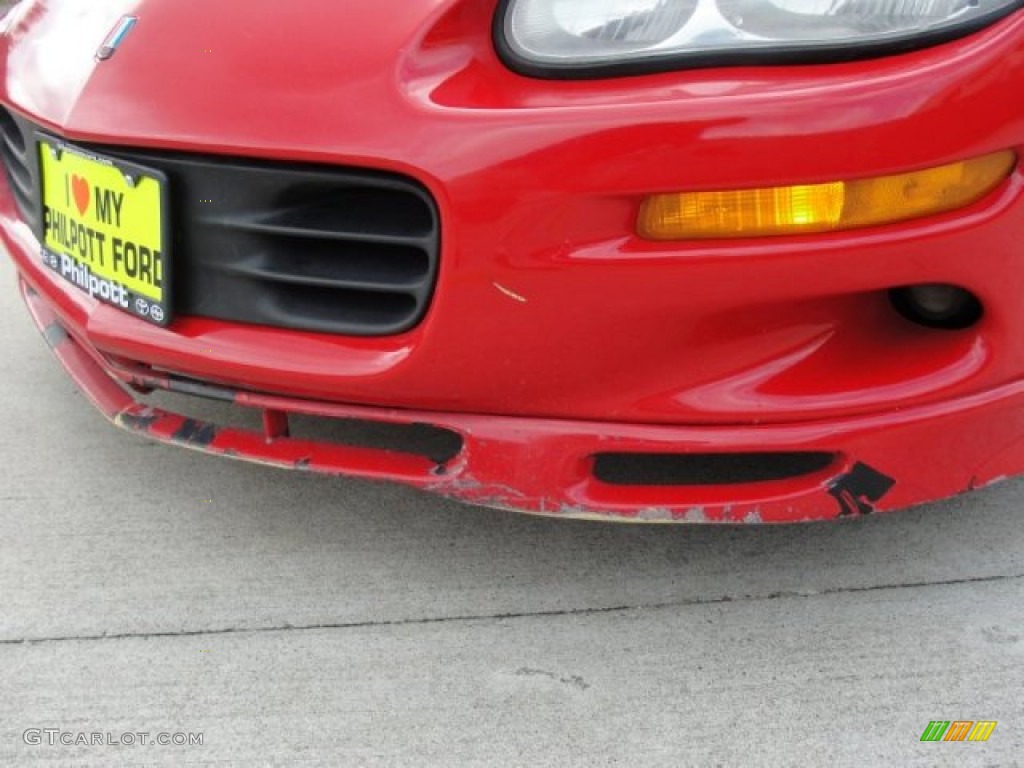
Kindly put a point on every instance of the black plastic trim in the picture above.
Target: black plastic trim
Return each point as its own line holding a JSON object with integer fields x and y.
{"x": 821, "y": 53}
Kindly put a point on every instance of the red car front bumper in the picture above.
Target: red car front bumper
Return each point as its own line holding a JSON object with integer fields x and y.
{"x": 558, "y": 342}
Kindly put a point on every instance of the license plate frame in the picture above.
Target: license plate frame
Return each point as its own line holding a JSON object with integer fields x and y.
{"x": 93, "y": 268}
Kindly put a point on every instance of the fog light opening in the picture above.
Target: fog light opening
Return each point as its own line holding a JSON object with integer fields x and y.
{"x": 937, "y": 305}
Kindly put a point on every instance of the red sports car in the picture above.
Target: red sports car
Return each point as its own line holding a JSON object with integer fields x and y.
{"x": 651, "y": 260}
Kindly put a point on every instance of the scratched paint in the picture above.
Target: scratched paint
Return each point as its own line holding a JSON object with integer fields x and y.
{"x": 510, "y": 293}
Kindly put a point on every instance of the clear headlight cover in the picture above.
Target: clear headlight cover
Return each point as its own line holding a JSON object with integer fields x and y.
{"x": 559, "y": 37}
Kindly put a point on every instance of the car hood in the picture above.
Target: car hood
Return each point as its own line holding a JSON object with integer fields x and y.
{"x": 189, "y": 67}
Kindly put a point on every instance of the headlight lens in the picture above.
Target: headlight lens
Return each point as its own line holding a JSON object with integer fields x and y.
{"x": 562, "y": 36}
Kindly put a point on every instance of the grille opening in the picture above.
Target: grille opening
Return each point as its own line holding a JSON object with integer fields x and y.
{"x": 17, "y": 165}
{"x": 704, "y": 469}
{"x": 303, "y": 306}
{"x": 21, "y": 187}
{"x": 330, "y": 250}
{"x": 324, "y": 211}
{"x": 12, "y": 135}
{"x": 20, "y": 177}
{"x": 393, "y": 266}
{"x": 436, "y": 444}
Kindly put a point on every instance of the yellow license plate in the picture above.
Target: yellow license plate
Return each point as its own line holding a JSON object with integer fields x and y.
{"x": 104, "y": 229}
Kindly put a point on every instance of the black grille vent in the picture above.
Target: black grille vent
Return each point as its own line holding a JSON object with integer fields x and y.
{"x": 306, "y": 247}
{"x": 310, "y": 248}
{"x": 19, "y": 165}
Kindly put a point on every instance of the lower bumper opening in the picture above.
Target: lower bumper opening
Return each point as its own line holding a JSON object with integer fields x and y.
{"x": 426, "y": 441}
{"x": 707, "y": 469}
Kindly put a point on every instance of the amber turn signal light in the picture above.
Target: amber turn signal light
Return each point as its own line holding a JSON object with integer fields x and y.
{"x": 825, "y": 207}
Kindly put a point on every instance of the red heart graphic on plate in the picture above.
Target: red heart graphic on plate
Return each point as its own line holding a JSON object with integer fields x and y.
{"x": 80, "y": 189}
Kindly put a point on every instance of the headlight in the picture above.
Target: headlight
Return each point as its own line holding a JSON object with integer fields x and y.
{"x": 562, "y": 38}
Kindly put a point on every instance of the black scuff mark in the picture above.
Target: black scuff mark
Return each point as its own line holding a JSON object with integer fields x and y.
{"x": 139, "y": 422}
{"x": 303, "y": 463}
{"x": 194, "y": 432}
{"x": 860, "y": 489}
{"x": 55, "y": 335}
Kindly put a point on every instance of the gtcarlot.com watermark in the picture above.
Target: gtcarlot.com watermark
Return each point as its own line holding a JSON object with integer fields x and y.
{"x": 56, "y": 737}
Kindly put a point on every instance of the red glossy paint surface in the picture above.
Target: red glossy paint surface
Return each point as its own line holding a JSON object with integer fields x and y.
{"x": 547, "y": 305}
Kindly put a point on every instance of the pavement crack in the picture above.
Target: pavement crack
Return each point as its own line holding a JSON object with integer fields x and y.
{"x": 516, "y": 615}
